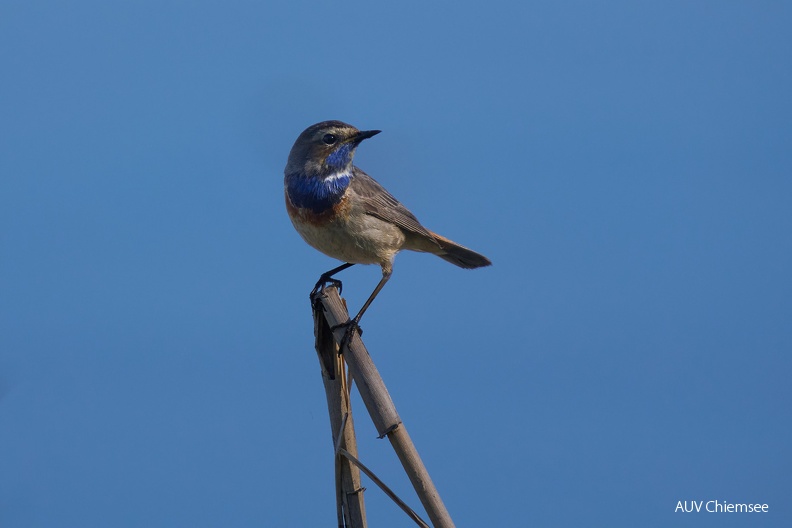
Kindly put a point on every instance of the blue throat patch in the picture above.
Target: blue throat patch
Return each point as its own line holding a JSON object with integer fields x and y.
{"x": 316, "y": 194}
{"x": 340, "y": 157}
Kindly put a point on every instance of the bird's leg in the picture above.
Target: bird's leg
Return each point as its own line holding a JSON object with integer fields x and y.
{"x": 327, "y": 278}
{"x": 354, "y": 324}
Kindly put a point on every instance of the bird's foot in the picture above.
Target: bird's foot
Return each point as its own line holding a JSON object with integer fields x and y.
{"x": 323, "y": 282}
{"x": 351, "y": 326}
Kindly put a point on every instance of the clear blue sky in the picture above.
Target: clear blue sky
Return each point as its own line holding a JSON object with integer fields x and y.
{"x": 627, "y": 167}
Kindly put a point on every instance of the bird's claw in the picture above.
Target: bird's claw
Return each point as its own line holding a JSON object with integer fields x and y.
{"x": 350, "y": 326}
{"x": 322, "y": 283}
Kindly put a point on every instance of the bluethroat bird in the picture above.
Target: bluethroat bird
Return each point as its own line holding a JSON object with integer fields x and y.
{"x": 344, "y": 213}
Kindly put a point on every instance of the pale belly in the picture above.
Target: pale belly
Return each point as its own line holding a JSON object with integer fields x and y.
{"x": 363, "y": 240}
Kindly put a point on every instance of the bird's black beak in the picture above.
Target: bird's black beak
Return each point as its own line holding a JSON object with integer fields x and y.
{"x": 364, "y": 134}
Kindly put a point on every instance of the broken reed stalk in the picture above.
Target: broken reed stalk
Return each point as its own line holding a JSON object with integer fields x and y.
{"x": 395, "y": 498}
{"x": 380, "y": 406}
{"x": 351, "y": 510}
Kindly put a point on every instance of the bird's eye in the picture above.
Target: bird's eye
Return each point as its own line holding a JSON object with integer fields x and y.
{"x": 329, "y": 139}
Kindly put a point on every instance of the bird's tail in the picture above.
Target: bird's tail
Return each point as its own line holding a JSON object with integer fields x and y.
{"x": 459, "y": 255}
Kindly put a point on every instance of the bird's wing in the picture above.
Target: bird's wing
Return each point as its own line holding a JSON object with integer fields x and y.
{"x": 380, "y": 203}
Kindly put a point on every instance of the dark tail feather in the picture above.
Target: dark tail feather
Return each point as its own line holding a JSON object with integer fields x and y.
{"x": 459, "y": 255}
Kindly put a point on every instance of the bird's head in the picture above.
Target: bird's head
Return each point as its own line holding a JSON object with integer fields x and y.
{"x": 325, "y": 148}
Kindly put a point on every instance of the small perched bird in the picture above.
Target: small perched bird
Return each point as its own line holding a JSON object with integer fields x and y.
{"x": 344, "y": 213}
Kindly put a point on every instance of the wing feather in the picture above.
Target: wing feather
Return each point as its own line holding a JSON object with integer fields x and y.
{"x": 380, "y": 203}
